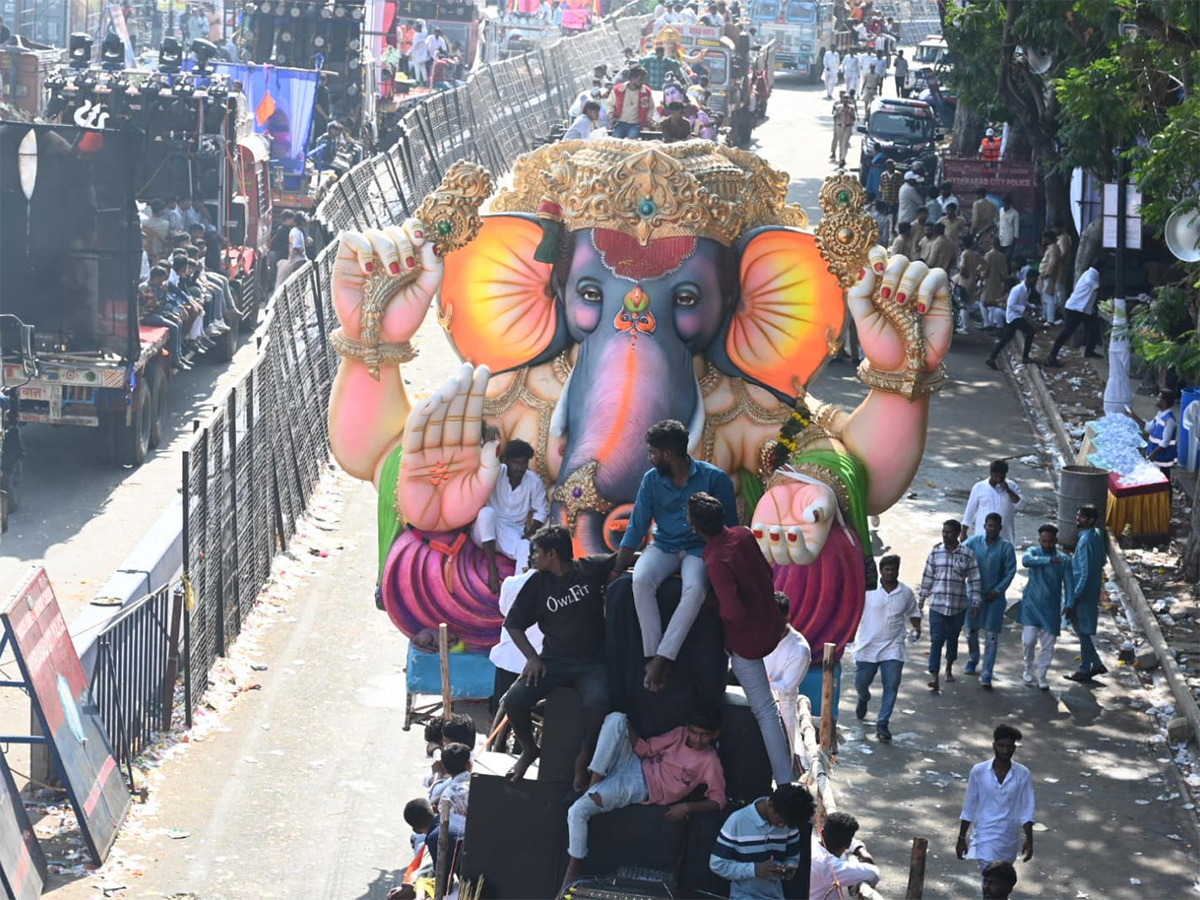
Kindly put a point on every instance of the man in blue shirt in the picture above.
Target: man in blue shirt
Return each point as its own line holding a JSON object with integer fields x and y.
{"x": 663, "y": 497}
{"x": 997, "y": 565}
{"x": 1082, "y": 606}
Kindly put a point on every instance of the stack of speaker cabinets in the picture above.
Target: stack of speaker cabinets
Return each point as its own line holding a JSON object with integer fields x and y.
{"x": 517, "y": 833}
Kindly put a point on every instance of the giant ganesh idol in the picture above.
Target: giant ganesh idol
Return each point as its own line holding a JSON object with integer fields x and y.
{"x": 615, "y": 285}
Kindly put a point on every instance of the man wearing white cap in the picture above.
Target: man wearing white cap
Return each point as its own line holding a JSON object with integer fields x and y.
{"x": 989, "y": 147}
{"x": 911, "y": 199}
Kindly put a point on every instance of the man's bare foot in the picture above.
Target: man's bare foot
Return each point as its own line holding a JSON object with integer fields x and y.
{"x": 527, "y": 758}
{"x": 657, "y": 671}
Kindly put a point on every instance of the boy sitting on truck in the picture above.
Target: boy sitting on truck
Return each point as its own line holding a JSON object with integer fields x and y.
{"x": 665, "y": 771}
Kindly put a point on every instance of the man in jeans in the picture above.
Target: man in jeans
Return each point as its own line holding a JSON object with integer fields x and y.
{"x": 948, "y": 570}
{"x": 663, "y": 770}
{"x": 565, "y": 599}
{"x": 631, "y": 102}
{"x": 742, "y": 580}
{"x": 879, "y": 645}
{"x": 997, "y": 562}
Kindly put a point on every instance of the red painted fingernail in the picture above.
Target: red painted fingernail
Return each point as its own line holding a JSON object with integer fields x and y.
{"x": 410, "y": 262}
{"x": 774, "y": 537}
{"x": 862, "y": 273}
{"x": 792, "y": 538}
{"x": 437, "y": 251}
{"x": 419, "y": 235}
{"x": 878, "y": 267}
{"x": 920, "y": 307}
{"x": 395, "y": 268}
{"x": 497, "y": 451}
{"x": 900, "y": 297}
{"x": 370, "y": 267}
{"x": 758, "y": 534}
{"x": 885, "y": 293}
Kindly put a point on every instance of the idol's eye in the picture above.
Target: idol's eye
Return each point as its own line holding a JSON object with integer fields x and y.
{"x": 590, "y": 292}
{"x": 687, "y": 295}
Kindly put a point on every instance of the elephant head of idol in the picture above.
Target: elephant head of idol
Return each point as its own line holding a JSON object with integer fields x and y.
{"x": 641, "y": 265}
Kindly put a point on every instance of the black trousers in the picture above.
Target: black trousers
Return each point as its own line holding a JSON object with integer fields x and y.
{"x": 1074, "y": 319}
{"x": 1010, "y": 330}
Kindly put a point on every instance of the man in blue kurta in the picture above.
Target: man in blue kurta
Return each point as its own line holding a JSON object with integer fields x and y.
{"x": 997, "y": 565}
{"x": 1050, "y": 579}
{"x": 1082, "y": 606}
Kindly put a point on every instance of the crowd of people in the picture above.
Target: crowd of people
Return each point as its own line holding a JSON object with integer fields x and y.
{"x": 182, "y": 287}
{"x": 554, "y": 636}
{"x": 420, "y": 55}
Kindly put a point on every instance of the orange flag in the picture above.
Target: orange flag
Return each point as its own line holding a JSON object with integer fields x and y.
{"x": 266, "y": 108}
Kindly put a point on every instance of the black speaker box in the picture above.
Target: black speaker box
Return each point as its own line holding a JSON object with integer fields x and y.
{"x": 517, "y": 837}
{"x": 743, "y": 753}
{"x": 698, "y": 676}
{"x": 634, "y": 837}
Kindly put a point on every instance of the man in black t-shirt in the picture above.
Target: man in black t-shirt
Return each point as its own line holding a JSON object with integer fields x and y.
{"x": 565, "y": 598}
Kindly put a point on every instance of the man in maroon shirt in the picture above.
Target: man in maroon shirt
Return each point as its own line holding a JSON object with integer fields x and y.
{"x": 741, "y": 577}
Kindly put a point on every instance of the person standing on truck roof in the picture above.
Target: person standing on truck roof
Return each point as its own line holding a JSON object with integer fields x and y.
{"x": 832, "y": 62}
{"x": 418, "y": 57}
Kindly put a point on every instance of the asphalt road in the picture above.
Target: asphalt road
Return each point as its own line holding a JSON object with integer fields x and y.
{"x": 298, "y": 793}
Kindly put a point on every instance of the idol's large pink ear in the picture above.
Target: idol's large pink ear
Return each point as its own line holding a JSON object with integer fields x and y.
{"x": 790, "y": 313}
{"x": 496, "y": 301}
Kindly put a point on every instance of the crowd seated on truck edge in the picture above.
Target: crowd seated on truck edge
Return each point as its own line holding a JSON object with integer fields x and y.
{"x": 644, "y": 504}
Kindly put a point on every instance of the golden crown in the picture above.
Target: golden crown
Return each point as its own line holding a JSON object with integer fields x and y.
{"x": 692, "y": 188}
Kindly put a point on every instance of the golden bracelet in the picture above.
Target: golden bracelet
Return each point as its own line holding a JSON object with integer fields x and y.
{"x": 908, "y": 384}
{"x": 372, "y": 355}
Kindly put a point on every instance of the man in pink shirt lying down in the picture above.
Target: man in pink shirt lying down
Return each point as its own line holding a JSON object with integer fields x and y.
{"x": 663, "y": 770}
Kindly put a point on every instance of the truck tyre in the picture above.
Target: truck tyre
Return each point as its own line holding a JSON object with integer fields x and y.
{"x": 157, "y": 379}
{"x": 133, "y": 440}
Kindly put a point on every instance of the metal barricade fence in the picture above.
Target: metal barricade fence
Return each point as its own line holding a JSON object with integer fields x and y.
{"x": 253, "y": 463}
{"x": 133, "y": 681}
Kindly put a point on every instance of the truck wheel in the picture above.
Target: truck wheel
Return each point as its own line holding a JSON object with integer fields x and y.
{"x": 11, "y": 483}
{"x": 227, "y": 343}
{"x": 133, "y": 440}
{"x": 158, "y": 394}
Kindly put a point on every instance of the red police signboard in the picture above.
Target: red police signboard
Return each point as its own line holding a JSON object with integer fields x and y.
{"x": 34, "y": 627}
{"x": 22, "y": 865}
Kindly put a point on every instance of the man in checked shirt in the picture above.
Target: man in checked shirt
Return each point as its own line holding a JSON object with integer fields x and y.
{"x": 948, "y": 570}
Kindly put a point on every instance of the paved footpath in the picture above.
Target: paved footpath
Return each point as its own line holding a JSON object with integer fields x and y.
{"x": 299, "y": 794}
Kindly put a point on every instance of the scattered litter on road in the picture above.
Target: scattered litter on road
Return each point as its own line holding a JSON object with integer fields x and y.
{"x": 178, "y": 834}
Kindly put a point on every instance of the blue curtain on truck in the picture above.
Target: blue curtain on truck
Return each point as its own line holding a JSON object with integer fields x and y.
{"x": 281, "y": 107}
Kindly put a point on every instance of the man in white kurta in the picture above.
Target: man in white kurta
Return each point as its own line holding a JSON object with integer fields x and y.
{"x": 995, "y": 494}
{"x": 515, "y": 510}
{"x": 852, "y": 70}
{"x": 832, "y": 62}
{"x": 999, "y": 805}
{"x": 786, "y": 667}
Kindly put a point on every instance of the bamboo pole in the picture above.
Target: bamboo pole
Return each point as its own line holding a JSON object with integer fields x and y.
{"x": 444, "y": 654}
{"x": 441, "y": 872}
{"x": 916, "y": 869}
{"x": 828, "y": 737}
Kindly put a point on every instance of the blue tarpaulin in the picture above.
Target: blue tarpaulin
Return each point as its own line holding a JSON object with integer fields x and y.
{"x": 281, "y": 107}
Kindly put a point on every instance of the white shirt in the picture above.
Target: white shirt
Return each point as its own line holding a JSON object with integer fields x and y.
{"x": 946, "y": 201}
{"x": 827, "y": 870}
{"x": 420, "y": 49}
{"x": 880, "y": 67}
{"x": 850, "y": 67}
{"x": 514, "y": 504}
{"x": 997, "y": 810}
{"x": 1018, "y": 302}
{"x": 884, "y": 623}
{"x": 1008, "y": 227}
{"x": 581, "y": 129}
{"x": 506, "y": 655}
{"x": 296, "y": 240}
{"x": 986, "y": 499}
{"x": 1083, "y": 298}
{"x": 786, "y": 667}
{"x": 832, "y": 61}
